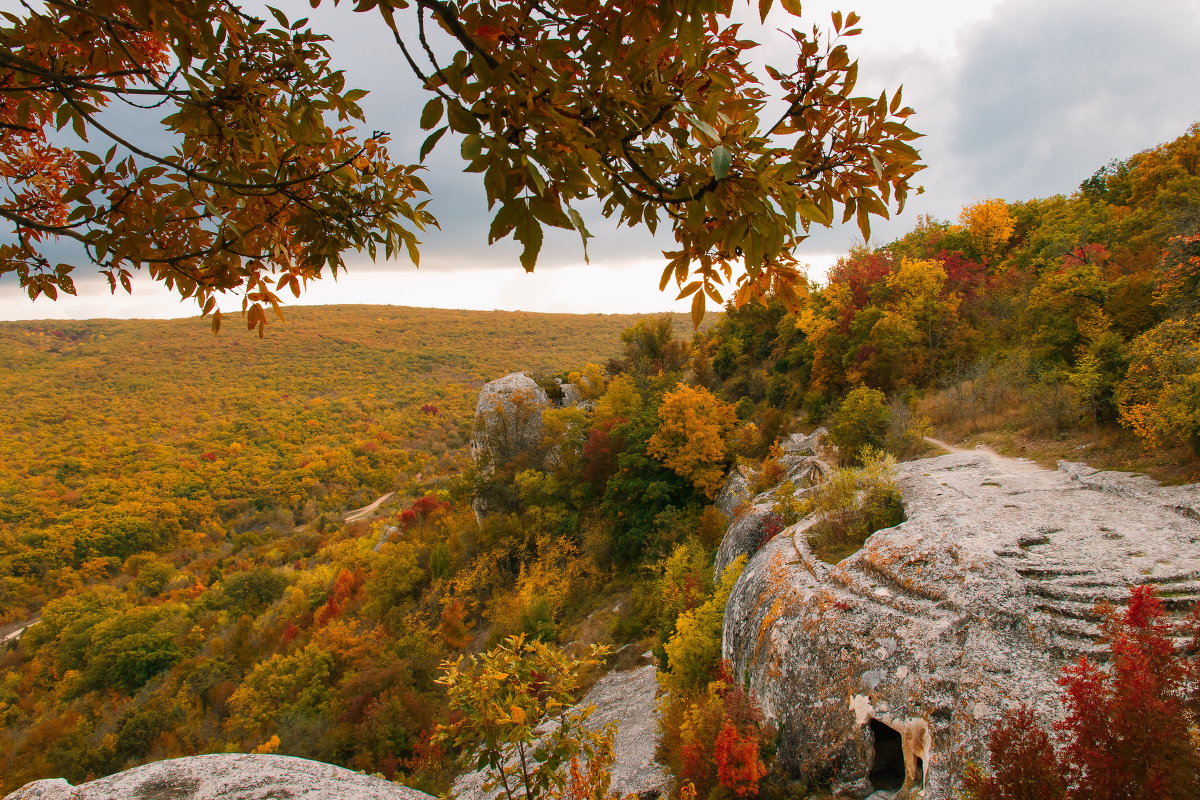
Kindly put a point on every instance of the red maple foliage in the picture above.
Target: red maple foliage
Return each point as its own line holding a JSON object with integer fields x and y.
{"x": 422, "y": 509}
{"x": 344, "y": 586}
{"x": 739, "y": 763}
{"x": 722, "y": 743}
{"x": 861, "y": 272}
{"x": 1126, "y": 733}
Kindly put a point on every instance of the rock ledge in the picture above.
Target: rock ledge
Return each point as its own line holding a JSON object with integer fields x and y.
{"x": 227, "y": 776}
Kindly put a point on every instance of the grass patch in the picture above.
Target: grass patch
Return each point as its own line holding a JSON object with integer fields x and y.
{"x": 853, "y": 504}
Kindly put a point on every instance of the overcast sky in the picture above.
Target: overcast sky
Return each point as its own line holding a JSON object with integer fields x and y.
{"x": 1017, "y": 98}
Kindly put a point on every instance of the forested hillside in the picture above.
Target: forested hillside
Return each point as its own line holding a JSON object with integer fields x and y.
{"x": 1074, "y": 317}
{"x": 127, "y": 436}
{"x": 173, "y": 505}
{"x": 164, "y": 486}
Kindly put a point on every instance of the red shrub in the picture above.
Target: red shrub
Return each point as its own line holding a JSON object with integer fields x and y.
{"x": 739, "y": 764}
{"x": 1126, "y": 733}
{"x": 600, "y": 453}
{"x": 421, "y": 509}
{"x": 1027, "y": 768}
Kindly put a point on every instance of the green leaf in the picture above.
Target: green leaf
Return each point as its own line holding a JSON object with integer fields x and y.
{"x": 472, "y": 146}
{"x": 704, "y": 127}
{"x": 528, "y": 231}
{"x": 432, "y": 114}
{"x": 431, "y": 141}
{"x": 584, "y": 234}
{"x": 722, "y": 160}
{"x": 461, "y": 119}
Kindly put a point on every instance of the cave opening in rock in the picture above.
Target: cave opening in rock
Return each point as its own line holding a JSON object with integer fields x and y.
{"x": 887, "y": 763}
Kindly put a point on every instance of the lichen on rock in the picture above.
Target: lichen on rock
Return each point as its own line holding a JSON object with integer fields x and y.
{"x": 886, "y": 671}
{"x": 228, "y": 776}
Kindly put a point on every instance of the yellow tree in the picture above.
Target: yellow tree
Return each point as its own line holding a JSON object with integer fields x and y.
{"x": 920, "y": 314}
{"x": 694, "y": 436}
{"x": 989, "y": 225}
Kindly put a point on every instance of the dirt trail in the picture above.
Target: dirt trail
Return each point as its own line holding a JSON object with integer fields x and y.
{"x": 1013, "y": 464}
{"x": 13, "y": 631}
{"x": 365, "y": 511}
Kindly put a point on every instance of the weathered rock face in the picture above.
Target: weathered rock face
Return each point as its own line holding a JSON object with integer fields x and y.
{"x": 888, "y": 669}
{"x": 753, "y": 521}
{"x": 508, "y": 417}
{"x": 734, "y": 494}
{"x": 628, "y": 699}
{"x": 228, "y": 777}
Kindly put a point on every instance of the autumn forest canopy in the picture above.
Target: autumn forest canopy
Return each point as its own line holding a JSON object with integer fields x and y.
{"x": 308, "y": 543}
{"x": 174, "y": 508}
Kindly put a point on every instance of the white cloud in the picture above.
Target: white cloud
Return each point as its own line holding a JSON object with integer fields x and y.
{"x": 613, "y": 288}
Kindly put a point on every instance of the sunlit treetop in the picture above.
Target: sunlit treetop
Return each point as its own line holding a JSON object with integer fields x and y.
{"x": 651, "y": 110}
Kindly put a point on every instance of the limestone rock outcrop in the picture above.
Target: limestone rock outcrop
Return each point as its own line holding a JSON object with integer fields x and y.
{"x": 508, "y": 431}
{"x": 508, "y": 417}
{"x": 753, "y": 521}
{"x": 628, "y": 699}
{"x": 887, "y": 670}
{"x": 228, "y": 776}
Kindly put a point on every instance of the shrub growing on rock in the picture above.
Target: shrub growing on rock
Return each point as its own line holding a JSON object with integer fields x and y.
{"x": 854, "y": 503}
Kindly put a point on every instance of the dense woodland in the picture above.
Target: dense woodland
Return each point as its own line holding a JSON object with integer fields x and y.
{"x": 171, "y": 505}
{"x": 1049, "y": 316}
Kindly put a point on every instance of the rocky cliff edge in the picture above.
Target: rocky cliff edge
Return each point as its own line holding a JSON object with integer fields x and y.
{"x": 887, "y": 670}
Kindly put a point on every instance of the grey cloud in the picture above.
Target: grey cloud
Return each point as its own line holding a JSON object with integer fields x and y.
{"x": 1040, "y": 96}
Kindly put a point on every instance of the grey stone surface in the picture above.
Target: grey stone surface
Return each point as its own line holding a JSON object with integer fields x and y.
{"x": 798, "y": 444}
{"x": 225, "y": 776}
{"x": 571, "y": 395}
{"x": 508, "y": 416}
{"x": 749, "y": 531}
{"x": 508, "y": 425}
{"x": 936, "y": 627}
{"x": 753, "y": 523}
{"x": 628, "y": 699}
{"x": 734, "y": 494}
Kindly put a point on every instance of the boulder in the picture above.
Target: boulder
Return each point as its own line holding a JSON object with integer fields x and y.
{"x": 734, "y": 494}
{"x": 628, "y": 699}
{"x": 750, "y": 530}
{"x": 799, "y": 444}
{"x": 228, "y": 776}
{"x": 886, "y": 672}
{"x": 508, "y": 417}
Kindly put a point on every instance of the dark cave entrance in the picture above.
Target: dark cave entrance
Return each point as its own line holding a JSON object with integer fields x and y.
{"x": 887, "y": 763}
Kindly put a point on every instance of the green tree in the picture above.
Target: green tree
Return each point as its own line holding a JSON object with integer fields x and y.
{"x": 860, "y": 420}
{"x": 654, "y": 110}
{"x": 503, "y": 699}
